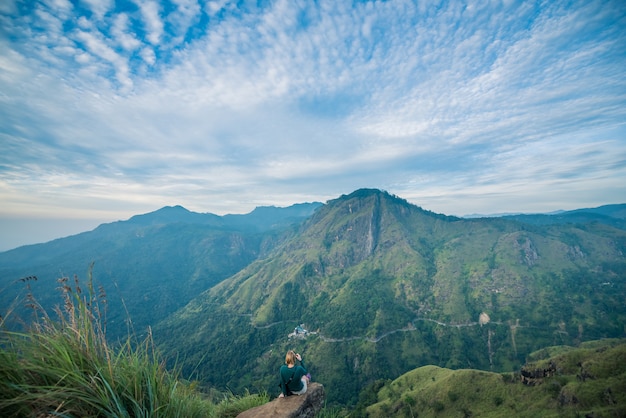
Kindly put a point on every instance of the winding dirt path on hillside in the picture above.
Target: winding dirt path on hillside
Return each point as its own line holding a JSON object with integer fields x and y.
{"x": 368, "y": 339}
{"x": 272, "y": 324}
{"x": 409, "y": 328}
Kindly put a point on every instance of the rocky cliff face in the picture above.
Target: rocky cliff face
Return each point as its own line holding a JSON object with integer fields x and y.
{"x": 305, "y": 406}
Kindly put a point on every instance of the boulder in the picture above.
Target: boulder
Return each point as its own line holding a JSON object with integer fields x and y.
{"x": 534, "y": 377}
{"x": 305, "y": 406}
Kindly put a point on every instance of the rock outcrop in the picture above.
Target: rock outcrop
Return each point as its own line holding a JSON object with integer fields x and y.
{"x": 305, "y": 406}
{"x": 534, "y": 377}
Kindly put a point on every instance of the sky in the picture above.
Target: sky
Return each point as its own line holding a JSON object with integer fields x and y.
{"x": 112, "y": 108}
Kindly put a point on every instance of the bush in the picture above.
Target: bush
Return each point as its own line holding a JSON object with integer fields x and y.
{"x": 438, "y": 406}
{"x": 453, "y": 396}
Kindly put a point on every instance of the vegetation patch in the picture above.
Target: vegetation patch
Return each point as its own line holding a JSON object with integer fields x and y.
{"x": 589, "y": 380}
{"x": 65, "y": 367}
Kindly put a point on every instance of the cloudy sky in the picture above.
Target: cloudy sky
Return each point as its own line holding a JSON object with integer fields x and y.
{"x": 111, "y": 108}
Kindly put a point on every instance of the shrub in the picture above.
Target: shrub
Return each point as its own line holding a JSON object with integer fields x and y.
{"x": 438, "y": 406}
{"x": 453, "y": 396}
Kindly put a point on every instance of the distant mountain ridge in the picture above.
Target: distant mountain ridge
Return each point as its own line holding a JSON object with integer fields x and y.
{"x": 614, "y": 211}
{"x": 614, "y": 215}
{"x": 155, "y": 262}
{"x": 174, "y": 214}
{"x": 262, "y": 218}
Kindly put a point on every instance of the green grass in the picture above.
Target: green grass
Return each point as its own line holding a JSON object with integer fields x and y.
{"x": 64, "y": 367}
{"x": 590, "y": 379}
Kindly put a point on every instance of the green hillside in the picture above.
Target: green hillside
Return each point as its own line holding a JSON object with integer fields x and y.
{"x": 585, "y": 381}
{"x": 150, "y": 265}
{"x": 385, "y": 286}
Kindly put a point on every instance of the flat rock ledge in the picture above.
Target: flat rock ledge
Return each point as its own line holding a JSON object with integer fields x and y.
{"x": 304, "y": 406}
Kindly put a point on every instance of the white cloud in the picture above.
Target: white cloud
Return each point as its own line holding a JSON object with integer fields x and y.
{"x": 498, "y": 105}
{"x": 8, "y": 7}
{"x": 148, "y": 55}
{"x": 96, "y": 45}
{"x": 61, "y": 8}
{"x": 214, "y": 6}
{"x": 121, "y": 33}
{"x": 52, "y": 24}
{"x": 100, "y": 7}
{"x": 186, "y": 14}
{"x": 152, "y": 21}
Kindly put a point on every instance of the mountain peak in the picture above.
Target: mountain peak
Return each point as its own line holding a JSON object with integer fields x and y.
{"x": 364, "y": 193}
{"x": 172, "y": 209}
{"x": 168, "y": 214}
{"x": 378, "y": 196}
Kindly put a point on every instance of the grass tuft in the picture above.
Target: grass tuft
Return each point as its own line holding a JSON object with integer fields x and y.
{"x": 64, "y": 367}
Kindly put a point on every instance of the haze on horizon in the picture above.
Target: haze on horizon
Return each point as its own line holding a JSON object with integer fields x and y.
{"x": 110, "y": 109}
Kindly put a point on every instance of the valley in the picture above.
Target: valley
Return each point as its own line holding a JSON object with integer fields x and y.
{"x": 383, "y": 287}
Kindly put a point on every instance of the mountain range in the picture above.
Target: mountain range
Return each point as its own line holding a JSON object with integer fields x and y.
{"x": 376, "y": 286}
{"x": 149, "y": 265}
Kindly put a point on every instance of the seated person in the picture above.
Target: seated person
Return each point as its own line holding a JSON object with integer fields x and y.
{"x": 293, "y": 379}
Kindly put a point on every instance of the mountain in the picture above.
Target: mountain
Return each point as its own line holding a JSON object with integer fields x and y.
{"x": 265, "y": 218}
{"x": 613, "y": 215}
{"x": 614, "y": 211}
{"x": 150, "y": 265}
{"x": 261, "y": 219}
{"x": 383, "y": 287}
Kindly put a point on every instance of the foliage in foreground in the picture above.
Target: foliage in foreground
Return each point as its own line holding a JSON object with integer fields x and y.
{"x": 66, "y": 368}
{"x": 586, "y": 381}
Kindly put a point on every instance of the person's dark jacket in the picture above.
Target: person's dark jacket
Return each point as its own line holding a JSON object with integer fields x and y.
{"x": 294, "y": 373}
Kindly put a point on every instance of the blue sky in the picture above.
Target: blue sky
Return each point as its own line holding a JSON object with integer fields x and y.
{"x": 113, "y": 108}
